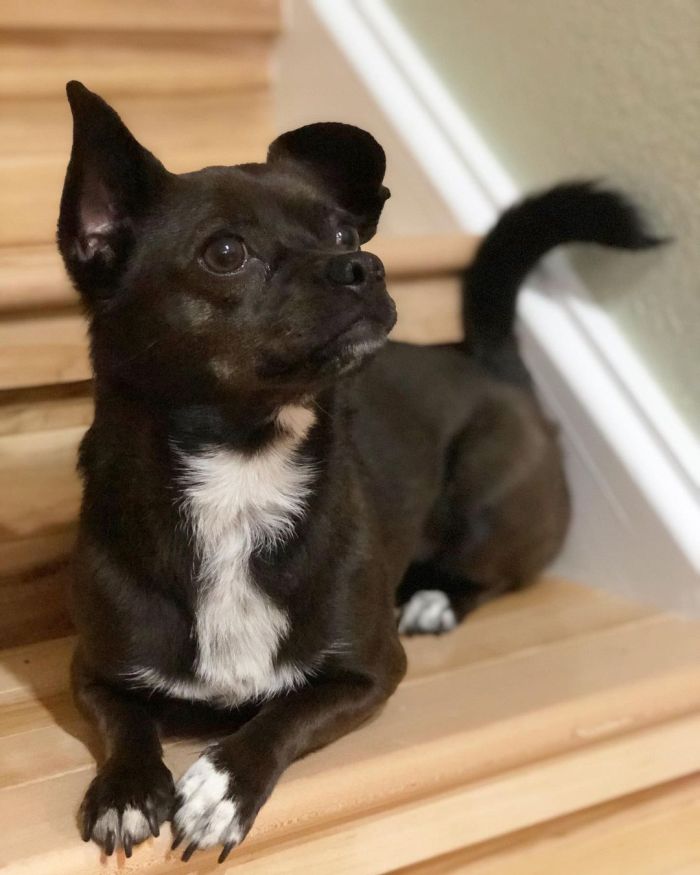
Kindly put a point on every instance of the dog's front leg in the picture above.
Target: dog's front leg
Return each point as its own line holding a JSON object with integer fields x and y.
{"x": 133, "y": 791}
{"x": 220, "y": 795}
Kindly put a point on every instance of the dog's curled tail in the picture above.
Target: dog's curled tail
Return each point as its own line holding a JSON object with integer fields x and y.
{"x": 573, "y": 212}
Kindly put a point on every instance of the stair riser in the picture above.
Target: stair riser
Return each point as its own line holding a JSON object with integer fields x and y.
{"x": 38, "y": 66}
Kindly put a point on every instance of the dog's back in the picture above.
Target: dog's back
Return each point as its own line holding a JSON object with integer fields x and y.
{"x": 468, "y": 433}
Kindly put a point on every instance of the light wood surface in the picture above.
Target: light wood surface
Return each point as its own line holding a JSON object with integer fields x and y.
{"x": 183, "y": 130}
{"x": 52, "y": 348}
{"x": 428, "y": 255}
{"x": 186, "y": 132}
{"x": 45, "y": 408}
{"x": 36, "y": 65}
{"x": 32, "y": 276}
{"x": 241, "y": 16}
{"x": 42, "y": 351}
{"x": 542, "y": 704}
{"x": 555, "y": 732}
{"x": 654, "y": 832}
{"x": 39, "y": 501}
{"x": 39, "y": 495}
{"x": 429, "y": 310}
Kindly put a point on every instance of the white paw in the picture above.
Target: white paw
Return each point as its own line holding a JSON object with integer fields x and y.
{"x": 206, "y": 814}
{"x": 134, "y": 828}
{"x": 428, "y": 611}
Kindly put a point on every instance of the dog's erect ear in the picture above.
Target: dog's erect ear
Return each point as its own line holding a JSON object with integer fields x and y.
{"x": 111, "y": 181}
{"x": 347, "y": 160}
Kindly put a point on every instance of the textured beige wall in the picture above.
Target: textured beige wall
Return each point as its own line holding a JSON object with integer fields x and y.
{"x": 609, "y": 88}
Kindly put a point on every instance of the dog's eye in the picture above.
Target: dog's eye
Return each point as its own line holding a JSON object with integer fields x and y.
{"x": 346, "y": 237}
{"x": 225, "y": 255}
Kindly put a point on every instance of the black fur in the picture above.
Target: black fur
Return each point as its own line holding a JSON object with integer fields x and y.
{"x": 428, "y": 461}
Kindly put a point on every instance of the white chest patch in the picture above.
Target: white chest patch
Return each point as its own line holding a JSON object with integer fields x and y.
{"x": 236, "y": 504}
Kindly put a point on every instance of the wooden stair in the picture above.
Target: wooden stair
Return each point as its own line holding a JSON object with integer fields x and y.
{"x": 159, "y": 66}
{"x": 555, "y": 732}
{"x": 194, "y": 81}
{"x": 545, "y": 705}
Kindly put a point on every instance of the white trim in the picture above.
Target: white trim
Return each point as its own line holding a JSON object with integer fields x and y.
{"x": 401, "y": 106}
{"x": 619, "y": 397}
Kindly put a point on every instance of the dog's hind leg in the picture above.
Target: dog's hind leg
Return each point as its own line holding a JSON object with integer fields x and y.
{"x": 432, "y": 601}
{"x": 501, "y": 517}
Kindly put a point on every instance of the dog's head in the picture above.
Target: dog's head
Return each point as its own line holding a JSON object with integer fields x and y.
{"x": 228, "y": 280}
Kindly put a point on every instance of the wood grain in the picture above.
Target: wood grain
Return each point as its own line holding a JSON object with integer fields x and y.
{"x": 39, "y": 500}
{"x": 428, "y": 255}
{"x": 186, "y": 132}
{"x": 43, "y": 465}
{"x": 34, "y": 602}
{"x": 476, "y": 744}
{"x": 653, "y": 832}
{"x": 607, "y": 704}
{"x": 38, "y": 64}
{"x": 550, "y": 612}
{"x": 43, "y": 351}
{"x": 49, "y": 349}
{"x": 32, "y": 276}
{"x": 45, "y": 408}
{"x": 189, "y": 16}
{"x": 429, "y": 309}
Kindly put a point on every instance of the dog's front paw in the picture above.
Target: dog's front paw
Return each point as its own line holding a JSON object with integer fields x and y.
{"x": 208, "y": 811}
{"x": 125, "y": 804}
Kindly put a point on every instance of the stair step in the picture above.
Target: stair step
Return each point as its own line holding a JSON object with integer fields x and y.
{"x": 45, "y": 408}
{"x": 33, "y": 276}
{"x": 44, "y": 350}
{"x": 39, "y": 65}
{"x": 545, "y": 703}
{"x": 185, "y": 132}
{"x": 39, "y": 502}
{"x": 428, "y": 255}
{"x": 653, "y": 832}
{"x": 190, "y": 16}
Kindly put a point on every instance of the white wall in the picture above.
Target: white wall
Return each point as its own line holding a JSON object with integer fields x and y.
{"x": 314, "y": 82}
{"x": 610, "y": 88}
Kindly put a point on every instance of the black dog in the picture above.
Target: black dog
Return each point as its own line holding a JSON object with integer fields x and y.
{"x": 253, "y": 502}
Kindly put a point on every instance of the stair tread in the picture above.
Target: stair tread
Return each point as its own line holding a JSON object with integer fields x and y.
{"x": 43, "y": 350}
{"x": 213, "y": 125}
{"x": 653, "y": 832}
{"x": 575, "y": 676}
{"x": 33, "y": 275}
{"x": 39, "y": 65}
{"x": 243, "y": 16}
{"x": 185, "y": 132}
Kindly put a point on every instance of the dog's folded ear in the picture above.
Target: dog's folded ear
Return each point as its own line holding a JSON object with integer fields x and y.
{"x": 348, "y": 161}
{"x": 111, "y": 181}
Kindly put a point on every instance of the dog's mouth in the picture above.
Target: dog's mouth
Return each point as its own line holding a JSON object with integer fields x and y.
{"x": 361, "y": 338}
{"x": 345, "y": 350}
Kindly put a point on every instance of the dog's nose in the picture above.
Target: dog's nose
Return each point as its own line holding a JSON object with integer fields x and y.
{"x": 355, "y": 269}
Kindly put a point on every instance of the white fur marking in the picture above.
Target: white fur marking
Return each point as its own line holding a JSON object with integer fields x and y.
{"x": 428, "y": 611}
{"x": 236, "y": 504}
{"x": 133, "y": 824}
{"x": 296, "y": 420}
{"x": 207, "y": 815}
{"x": 107, "y": 822}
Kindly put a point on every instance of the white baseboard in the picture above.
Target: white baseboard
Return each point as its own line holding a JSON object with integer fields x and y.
{"x": 634, "y": 466}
